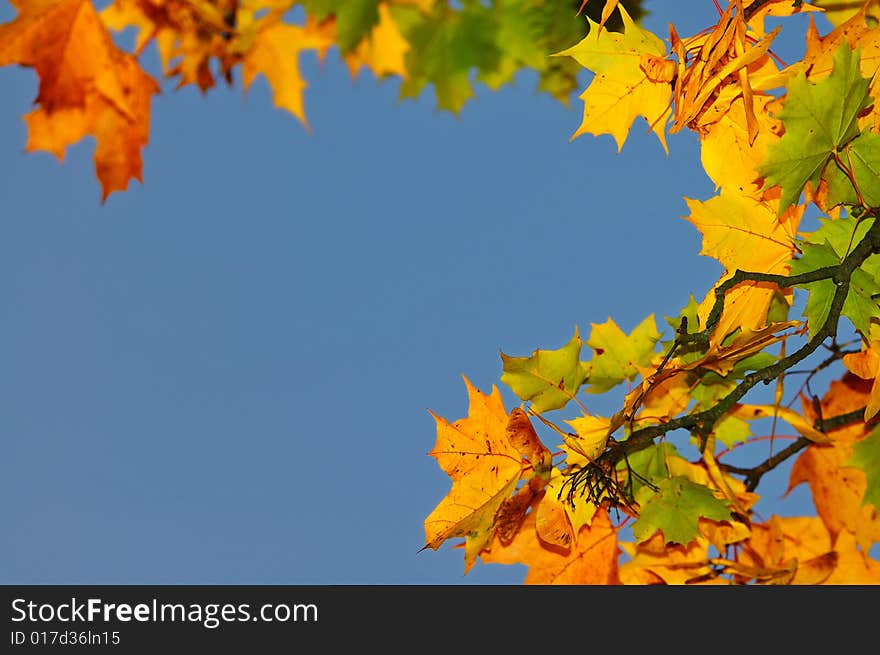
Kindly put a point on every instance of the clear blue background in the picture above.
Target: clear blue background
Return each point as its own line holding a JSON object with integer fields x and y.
{"x": 224, "y": 375}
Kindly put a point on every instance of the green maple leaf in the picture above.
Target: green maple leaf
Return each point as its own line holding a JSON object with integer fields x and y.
{"x": 689, "y": 313}
{"x": 520, "y": 29}
{"x": 548, "y": 378}
{"x": 827, "y": 246}
{"x": 444, "y": 49}
{"x": 866, "y": 456}
{"x": 675, "y": 510}
{"x": 618, "y": 356}
{"x": 355, "y": 19}
{"x": 651, "y": 464}
{"x": 862, "y": 157}
{"x": 841, "y": 234}
{"x": 819, "y": 120}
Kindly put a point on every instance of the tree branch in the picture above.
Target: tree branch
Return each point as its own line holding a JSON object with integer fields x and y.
{"x": 702, "y": 422}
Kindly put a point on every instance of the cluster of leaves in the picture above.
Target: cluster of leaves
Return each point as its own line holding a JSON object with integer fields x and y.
{"x": 777, "y": 140}
{"x": 91, "y": 85}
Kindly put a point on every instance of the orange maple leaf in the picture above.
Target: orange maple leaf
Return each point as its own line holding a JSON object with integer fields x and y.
{"x": 800, "y": 550}
{"x": 485, "y": 466}
{"x": 837, "y": 492}
{"x": 708, "y": 61}
{"x": 188, "y": 35}
{"x": 818, "y": 60}
{"x": 591, "y": 559}
{"x": 87, "y": 86}
{"x": 845, "y": 395}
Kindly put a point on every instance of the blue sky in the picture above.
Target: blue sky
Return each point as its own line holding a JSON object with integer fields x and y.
{"x": 224, "y": 375}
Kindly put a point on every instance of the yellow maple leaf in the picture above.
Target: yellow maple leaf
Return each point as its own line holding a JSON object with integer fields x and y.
{"x": 743, "y": 233}
{"x": 484, "y": 468}
{"x": 591, "y": 435}
{"x": 728, "y": 156}
{"x": 854, "y": 566}
{"x": 87, "y": 87}
{"x": 384, "y": 49}
{"x": 800, "y": 550}
{"x": 621, "y": 89}
{"x": 591, "y": 560}
{"x": 274, "y": 54}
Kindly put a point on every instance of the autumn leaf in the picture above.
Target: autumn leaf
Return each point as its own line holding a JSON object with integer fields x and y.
{"x": 513, "y": 510}
{"x": 547, "y": 378}
{"x": 854, "y": 567}
{"x": 383, "y": 51}
{"x": 189, "y": 36}
{"x": 484, "y": 468}
{"x": 274, "y": 54}
{"x": 552, "y": 524}
{"x": 729, "y": 157}
{"x": 652, "y": 463}
{"x": 592, "y": 558}
{"x": 522, "y": 436}
{"x": 87, "y": 87}
{"x": 838, "y": 491}
{"x": 844, "y": 396}
{"x": 591, "y": 435}
{"x": 718, "y": 58}
{"x": 800, "y": 550}
{"x": 743, "y": 233}
{"x": 621, "y": 90}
